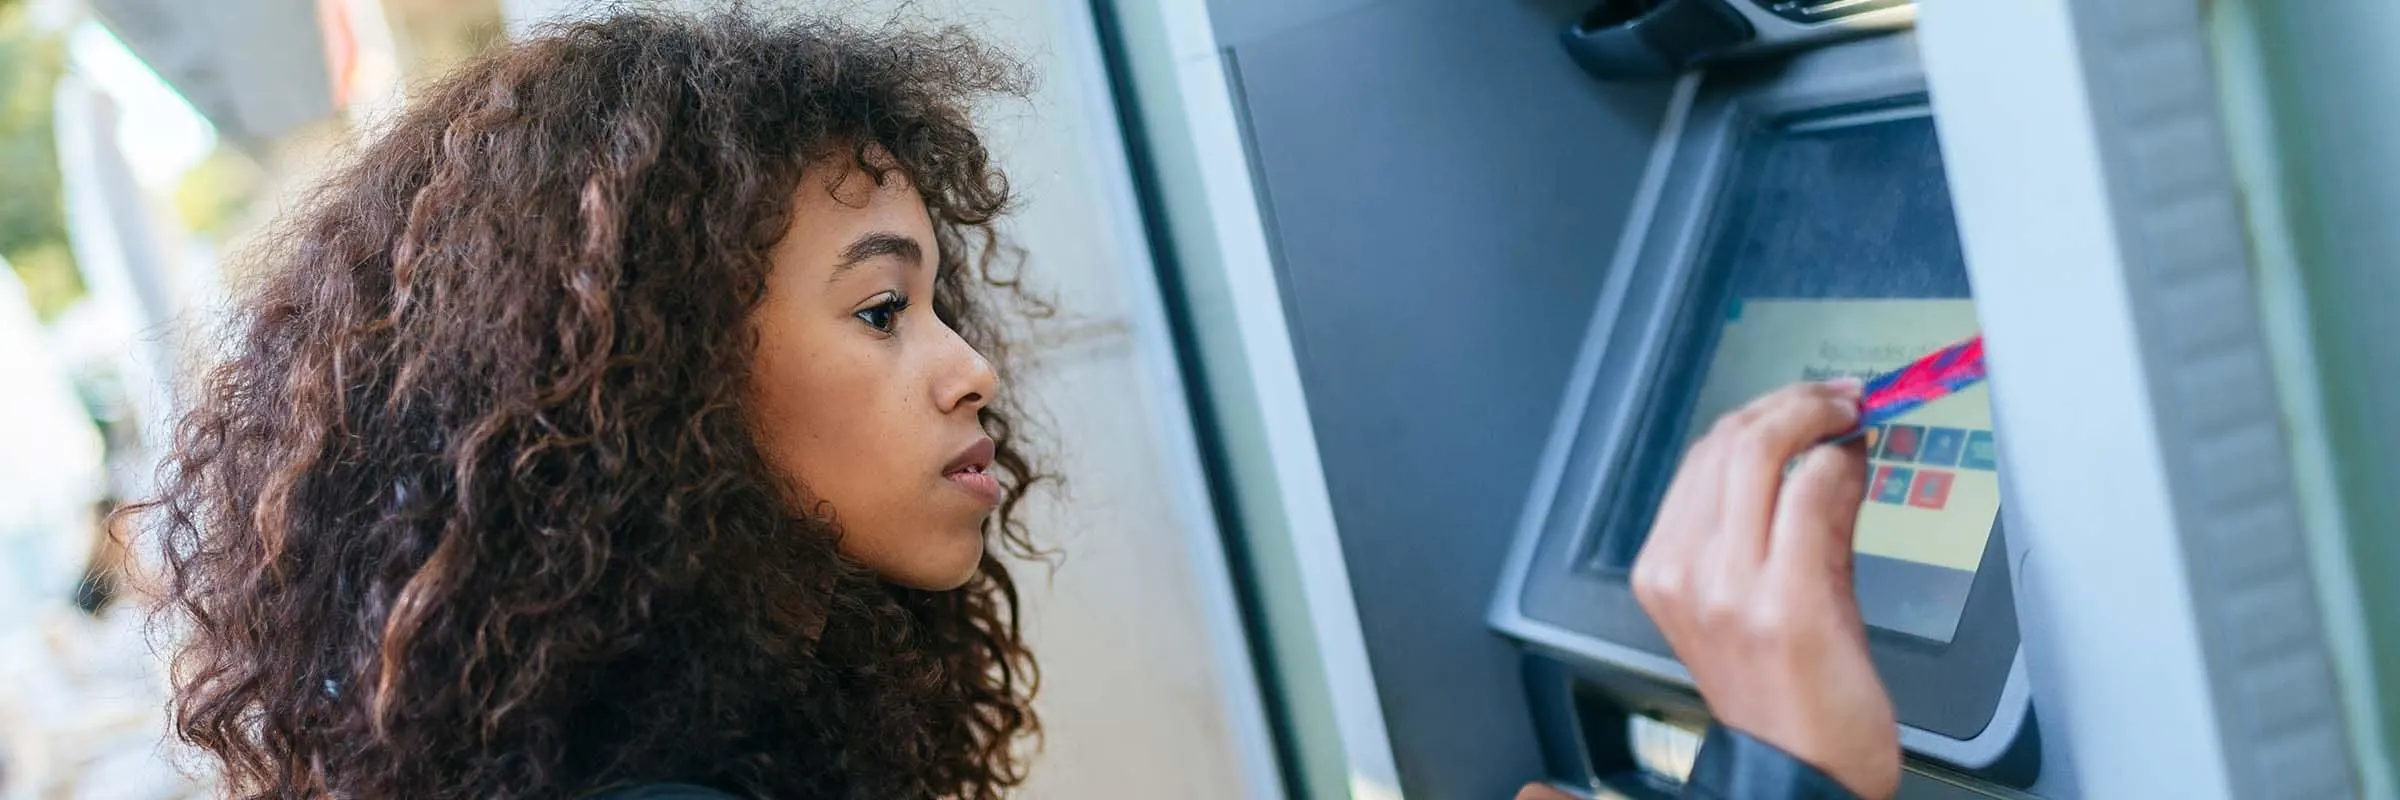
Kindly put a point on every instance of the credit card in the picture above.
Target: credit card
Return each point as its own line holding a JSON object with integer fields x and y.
{"x": 1939, "y": 374}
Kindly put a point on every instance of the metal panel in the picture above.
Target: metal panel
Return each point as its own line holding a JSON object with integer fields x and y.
{"x": 2181, "y": 235}
{"x": 1444, "y": 189}
{"x": 1270, "y": 480}
{"x": 2109, "y": 637}
{"x": 1241, "y": 23}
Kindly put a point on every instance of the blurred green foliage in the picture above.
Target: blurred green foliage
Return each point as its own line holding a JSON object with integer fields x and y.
{"x": 213, "y": 197}
{"x": 33, "y": 213}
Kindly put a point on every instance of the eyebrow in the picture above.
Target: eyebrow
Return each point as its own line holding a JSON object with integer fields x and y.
{"x": 876, "y": 245}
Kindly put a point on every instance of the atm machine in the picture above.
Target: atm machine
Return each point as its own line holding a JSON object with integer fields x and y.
{"x": 1796, "y": 225}
{"x": 1796, "y": 222}
{"x": 1512, "y": 257}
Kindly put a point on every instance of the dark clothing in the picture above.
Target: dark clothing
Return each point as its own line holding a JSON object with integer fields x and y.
{"x": 1733, "y": 766}
{"x": 663, "y": 791}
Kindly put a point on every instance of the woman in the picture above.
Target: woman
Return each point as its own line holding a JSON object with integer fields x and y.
{"x": 626, "y": 414}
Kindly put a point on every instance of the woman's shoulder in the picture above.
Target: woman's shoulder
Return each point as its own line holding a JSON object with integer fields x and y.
{"x": 661, "y": 791}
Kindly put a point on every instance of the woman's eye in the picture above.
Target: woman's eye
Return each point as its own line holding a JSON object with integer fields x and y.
{"x": 883, "y": 316}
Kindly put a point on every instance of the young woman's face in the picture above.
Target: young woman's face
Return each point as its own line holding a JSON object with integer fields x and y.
{"x": 863, "y": 394}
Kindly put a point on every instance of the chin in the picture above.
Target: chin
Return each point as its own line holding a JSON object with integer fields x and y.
{"x": 946, "y": 565}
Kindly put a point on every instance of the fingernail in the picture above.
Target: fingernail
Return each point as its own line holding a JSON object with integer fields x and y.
{"x": 1847, "y": 385}
{"x": 1847, "y": 401}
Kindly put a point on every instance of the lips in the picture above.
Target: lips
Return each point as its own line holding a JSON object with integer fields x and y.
{"x": 970, "y": 471}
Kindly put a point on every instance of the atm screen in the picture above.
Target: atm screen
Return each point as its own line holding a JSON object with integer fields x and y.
{"x": 1839, "y": 257}
{"x": 1801, "y": 230}
{"x": 1932, "y": 487}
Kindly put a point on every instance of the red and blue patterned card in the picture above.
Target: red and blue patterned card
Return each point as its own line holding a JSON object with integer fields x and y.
{"x": 1939, "y": 374}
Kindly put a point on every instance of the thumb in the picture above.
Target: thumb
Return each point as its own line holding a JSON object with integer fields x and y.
{"x": 1816, "y": 513}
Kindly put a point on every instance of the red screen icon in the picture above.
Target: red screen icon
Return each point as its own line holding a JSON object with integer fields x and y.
{"x": 1932, "y": 489}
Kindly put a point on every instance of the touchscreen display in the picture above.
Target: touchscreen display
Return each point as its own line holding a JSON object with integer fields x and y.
{"x": 1933, "y": 489}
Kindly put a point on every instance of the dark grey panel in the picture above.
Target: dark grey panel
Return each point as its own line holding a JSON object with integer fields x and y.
{"x": 1444, "y": 190}
{"x": 1242, "y": 22}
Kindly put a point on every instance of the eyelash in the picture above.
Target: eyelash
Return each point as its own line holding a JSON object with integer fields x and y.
{"x": 891, "y": 307}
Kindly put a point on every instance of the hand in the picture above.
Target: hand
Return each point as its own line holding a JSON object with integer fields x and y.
{"x": 1747, "y": 572}
{"x": 1538, "y": 791}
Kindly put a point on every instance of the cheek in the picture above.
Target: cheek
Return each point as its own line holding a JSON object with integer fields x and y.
{"x": 808, "y": 415}
{"x": 834, "y": 421}
{"x": 854, "y": 427}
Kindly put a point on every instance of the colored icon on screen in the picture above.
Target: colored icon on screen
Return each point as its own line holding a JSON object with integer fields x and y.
{"x": 1932, "y": 489}
{"x": 1901, "y": 442}
{"x": 1874, "y": 440}
{"x": 1980, "y": 452}
{"x": 1891, "y": 485}
{"x": 1942, "y": 446}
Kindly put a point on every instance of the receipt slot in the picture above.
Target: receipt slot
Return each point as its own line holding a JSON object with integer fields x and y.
{"x": 1634, "y": 39}
{"x": 1795, "y": 225}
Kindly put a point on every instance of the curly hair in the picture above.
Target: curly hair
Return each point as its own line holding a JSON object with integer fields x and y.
{"x": 470, "y": 504}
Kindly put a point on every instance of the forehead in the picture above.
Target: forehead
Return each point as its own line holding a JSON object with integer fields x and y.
{"x": 837, "y": 202}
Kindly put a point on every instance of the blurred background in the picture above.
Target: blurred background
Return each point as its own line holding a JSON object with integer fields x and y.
{"x": 139, "y": 141}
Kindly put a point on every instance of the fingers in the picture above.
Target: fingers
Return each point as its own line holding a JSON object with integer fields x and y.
{"x": 1748, "y": 574}
{"x": 1713, "y": 527}
{"x": 1537, "y": 791}
{"x": 1686, "y": 518}
{"x": 1816, "y": 515}
{"x": 1760, "y": 441}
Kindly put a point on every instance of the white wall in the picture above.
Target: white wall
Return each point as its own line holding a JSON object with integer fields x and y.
{"x": 1147, "y": 690}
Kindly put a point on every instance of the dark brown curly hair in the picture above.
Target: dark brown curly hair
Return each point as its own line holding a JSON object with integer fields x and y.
{"x": 469, "y": 504}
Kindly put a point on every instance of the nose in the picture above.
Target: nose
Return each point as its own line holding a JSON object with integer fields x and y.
{"x": 967, "y": 381}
